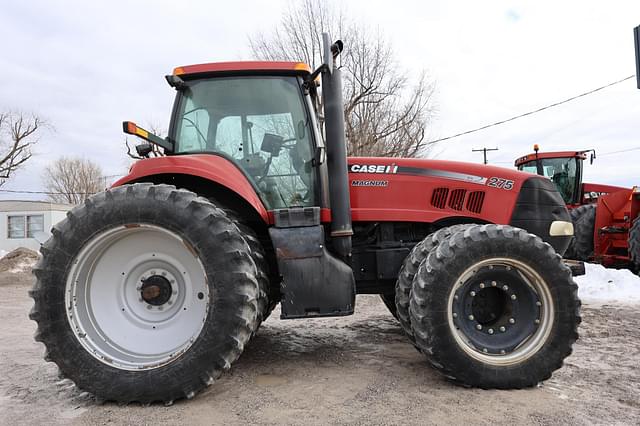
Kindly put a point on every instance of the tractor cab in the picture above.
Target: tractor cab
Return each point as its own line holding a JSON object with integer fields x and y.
{"x": 564, "y": 168}
{"x": 262, "y": 120}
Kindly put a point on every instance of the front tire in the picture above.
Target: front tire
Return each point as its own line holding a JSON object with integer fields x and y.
{"x": 494, "y": 307}
{"x": 145, "y": 293}
{"x": 584, "y": 222}
{"x": 408, "y": 271}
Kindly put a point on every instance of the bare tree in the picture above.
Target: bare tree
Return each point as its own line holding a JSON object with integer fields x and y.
{"x": 72, "y": 180}
{"x": 385, "y": 113}
{"x": 18, "y": 133}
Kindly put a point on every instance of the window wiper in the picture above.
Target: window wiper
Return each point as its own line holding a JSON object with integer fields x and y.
{"x": 204, "y": 139}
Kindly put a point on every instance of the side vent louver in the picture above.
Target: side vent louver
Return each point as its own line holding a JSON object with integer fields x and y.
{"x": 439, "y": 197}
{"x": 442, "y": 198}
{"x": 475, "y": 201}
{"x": 456, "y": 201}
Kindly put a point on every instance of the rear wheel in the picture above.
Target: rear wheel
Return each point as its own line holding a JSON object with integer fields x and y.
{"x": 145, "y": 293}
{"x": 634, "y": 244}
{"x": 495, "y": 307}
{"x": 584, "y": 222}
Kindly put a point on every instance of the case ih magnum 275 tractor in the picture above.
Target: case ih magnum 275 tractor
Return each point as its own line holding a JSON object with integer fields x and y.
{"x": 605, "y": 217}
{"x": 150, "y": 290}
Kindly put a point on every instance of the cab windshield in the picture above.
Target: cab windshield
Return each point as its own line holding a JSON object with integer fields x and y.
{"x": 261, "y": 124}
{"x": 561, "y": 171}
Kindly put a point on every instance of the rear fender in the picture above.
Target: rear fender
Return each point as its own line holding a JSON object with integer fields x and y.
{"x": 201, "y": 173}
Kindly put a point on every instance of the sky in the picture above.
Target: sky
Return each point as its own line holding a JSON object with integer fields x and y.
{"x": 87, "y": 66}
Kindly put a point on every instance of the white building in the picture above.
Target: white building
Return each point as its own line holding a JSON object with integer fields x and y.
{"x": 21, "y": 220}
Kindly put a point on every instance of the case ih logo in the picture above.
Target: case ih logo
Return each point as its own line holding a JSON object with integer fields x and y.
{"x": 372, "y": 168}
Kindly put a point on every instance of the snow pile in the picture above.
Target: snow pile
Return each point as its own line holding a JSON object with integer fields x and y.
{"x": 600, "y": 284}
{"x": 18, "y": 261}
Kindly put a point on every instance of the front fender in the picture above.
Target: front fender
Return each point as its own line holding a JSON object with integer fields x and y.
{"x": 211, "y": 167}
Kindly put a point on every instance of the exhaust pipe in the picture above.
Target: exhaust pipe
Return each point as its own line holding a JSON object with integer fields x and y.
{"x": 341, "y": 230}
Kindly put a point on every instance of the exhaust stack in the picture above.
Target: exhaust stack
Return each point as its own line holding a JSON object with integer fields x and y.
{"x": 339, "y": 197}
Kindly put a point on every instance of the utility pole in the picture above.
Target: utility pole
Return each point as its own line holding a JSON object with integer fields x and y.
{"x": 484, "y": 150}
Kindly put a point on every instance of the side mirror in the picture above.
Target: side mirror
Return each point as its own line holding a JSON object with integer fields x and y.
{"x": 272, "y": 144}
{"x": 144, "y": 149}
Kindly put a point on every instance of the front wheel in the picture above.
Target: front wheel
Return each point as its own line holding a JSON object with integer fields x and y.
{"x": 584, "y": 222}
{"x": 145, "y": 293}
{"x": 494, "y": 307}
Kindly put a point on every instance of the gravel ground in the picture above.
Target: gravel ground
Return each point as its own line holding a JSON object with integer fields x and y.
{"x": 353, "y": 370}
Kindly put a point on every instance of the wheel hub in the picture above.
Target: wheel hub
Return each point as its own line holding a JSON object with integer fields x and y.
{"x": 156, "y": 290}
{"x": 496, "y": 309}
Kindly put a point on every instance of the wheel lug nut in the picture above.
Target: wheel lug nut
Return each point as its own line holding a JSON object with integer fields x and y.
{"x": 490, "y": 331}
{"x": 470, "y": 317}
{"x": 485, "y": 350}
{"x": 149, "y": 307}
{"x": 502, "y": 351}
{"x": 538, "y": 303}
{"x": 455, "y": 315}
{"x": 505, "y": 287}
{"x": 512, "y": 321}
{"x": 164, "y": 274}
{"x": 537, "y": 321}
{"x": 508, "y": 268}
{"x": 479, "y": 327}
{"x": 473, "y": 293}
{"x": 494, "y": 284}
{"x": 502, "y": 329}
{"x": 481, "y": 285}
{"x": 513, "y": 297}
{"x": 455, "y": 296}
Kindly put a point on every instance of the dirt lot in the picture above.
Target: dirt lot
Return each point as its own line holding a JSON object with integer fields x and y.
{"x": 354, "y": 370}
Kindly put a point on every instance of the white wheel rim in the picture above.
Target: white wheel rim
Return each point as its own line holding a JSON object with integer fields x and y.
{"x": 114, "y": 319}
{"x": 529, "y": 346}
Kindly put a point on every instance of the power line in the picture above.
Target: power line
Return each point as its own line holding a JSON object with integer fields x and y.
{"x": 555, "y": 104}
{"x": 618, "y": 152}
{"x": 15, "y": 191}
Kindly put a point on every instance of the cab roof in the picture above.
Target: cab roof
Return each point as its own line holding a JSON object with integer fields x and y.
{"x": 242, "y": 67}
{"x": 555, "y": 154}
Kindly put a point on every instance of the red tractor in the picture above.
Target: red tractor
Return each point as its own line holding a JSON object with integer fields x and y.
{"x": 150, "y": 290}
{"x": 605, "y": 217}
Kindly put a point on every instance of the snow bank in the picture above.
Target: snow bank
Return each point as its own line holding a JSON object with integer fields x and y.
{"x": 600, "y": 284}
{"x": 18, "y": 261}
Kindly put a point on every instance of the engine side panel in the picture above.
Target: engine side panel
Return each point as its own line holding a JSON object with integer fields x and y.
{"x": 416, "y": 190}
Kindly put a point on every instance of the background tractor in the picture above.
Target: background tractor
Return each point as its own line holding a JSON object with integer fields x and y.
{"x": 604, "y": 216}
{"x": 150, "y": 290}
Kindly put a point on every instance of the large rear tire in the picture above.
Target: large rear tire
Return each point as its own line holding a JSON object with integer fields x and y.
{"x": 408, "y": 271}
{"x": 634, "y": 245}
{"x": 584, "y": 222}
{"x": 145, "y": 293}
{"x": 494, "y": 307}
